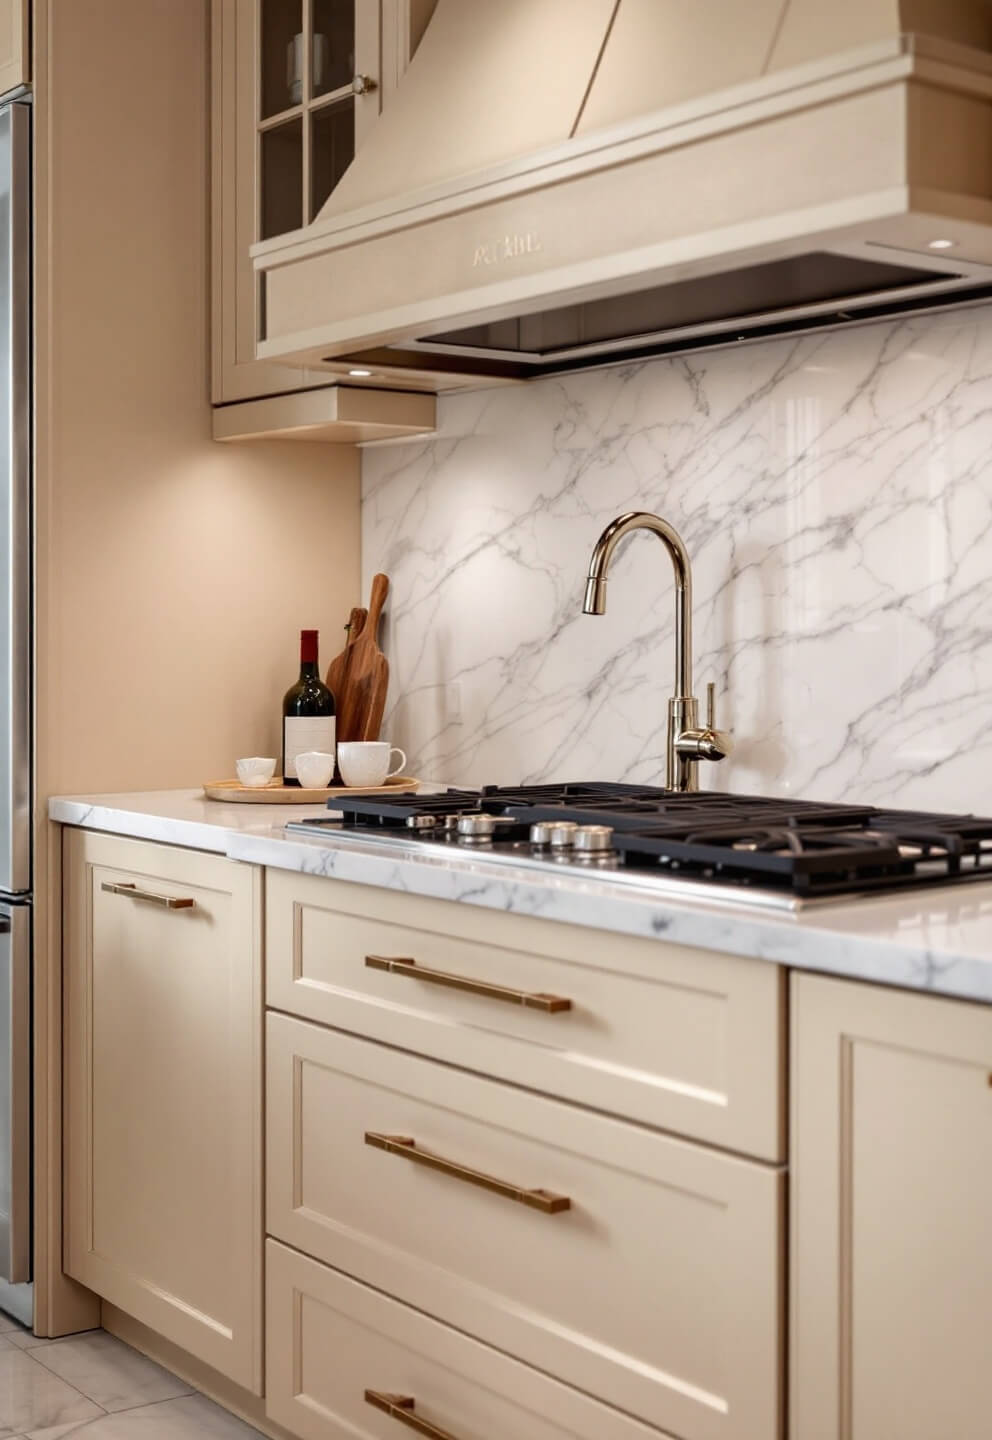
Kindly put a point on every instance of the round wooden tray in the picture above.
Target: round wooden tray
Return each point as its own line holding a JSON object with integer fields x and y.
{"x": 276, "y": 793}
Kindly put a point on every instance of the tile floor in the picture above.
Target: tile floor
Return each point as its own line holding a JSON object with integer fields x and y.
{"x": 94, "y": 1387}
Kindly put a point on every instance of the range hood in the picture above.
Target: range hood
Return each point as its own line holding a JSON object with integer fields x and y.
{"x": 564, "y": 183}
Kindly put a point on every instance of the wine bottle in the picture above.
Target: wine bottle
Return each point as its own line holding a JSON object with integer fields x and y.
{"x": 307, "y": 711}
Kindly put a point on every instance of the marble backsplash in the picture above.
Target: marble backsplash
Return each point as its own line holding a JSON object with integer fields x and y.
{"x": 835, "y": 495}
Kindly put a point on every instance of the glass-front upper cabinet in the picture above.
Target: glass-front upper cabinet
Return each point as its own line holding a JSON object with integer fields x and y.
{"x": 297, "y": 86}
{"x": 318, "y": 96}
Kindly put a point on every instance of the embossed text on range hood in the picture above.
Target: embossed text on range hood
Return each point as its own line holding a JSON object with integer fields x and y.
{"x": 564, "y": 182}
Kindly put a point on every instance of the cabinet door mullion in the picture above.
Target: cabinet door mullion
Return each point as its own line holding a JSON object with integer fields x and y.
{"x": 307, "y": 100}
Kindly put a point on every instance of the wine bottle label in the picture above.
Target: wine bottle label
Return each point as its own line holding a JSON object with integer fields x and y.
{"x": 301, "y": 733}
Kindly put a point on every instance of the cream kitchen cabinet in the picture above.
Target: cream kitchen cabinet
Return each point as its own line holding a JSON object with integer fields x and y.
{"x": 163, "y": 1078}
{"x": 675, "y": 1038}
{"x": 467, "y": 1113}
{"x": 297, "y": 86}
{"x": 891, "y": 1177}
{"x": 15, "y": 52}
{"x": 640, "y": 1268}
{"x": 342, "y": 1357}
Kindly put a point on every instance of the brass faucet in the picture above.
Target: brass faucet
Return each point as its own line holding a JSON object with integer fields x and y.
{"x": 688, "y": 742}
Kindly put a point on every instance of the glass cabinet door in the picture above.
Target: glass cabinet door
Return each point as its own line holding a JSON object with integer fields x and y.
{"x": 317, "y": 98}
{"x": 333, "y": 45}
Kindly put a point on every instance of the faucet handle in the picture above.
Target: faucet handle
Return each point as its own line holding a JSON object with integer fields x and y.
{"x": 707, "y": 742}
{"x": 717, "y": 744}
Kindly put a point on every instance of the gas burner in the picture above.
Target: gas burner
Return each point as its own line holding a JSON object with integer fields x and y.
{"x": 770, "y": 846}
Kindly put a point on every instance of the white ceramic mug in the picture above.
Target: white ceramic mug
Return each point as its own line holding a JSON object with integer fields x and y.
{"x": 314, "y": 769}
{"x": 364, "y": 764}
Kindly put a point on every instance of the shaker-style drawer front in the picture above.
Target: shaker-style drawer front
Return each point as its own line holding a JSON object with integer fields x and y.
{"x": 683, "y": 1040}
{"x": 639, "y": 1268}
{"x": 344, "y": 1359}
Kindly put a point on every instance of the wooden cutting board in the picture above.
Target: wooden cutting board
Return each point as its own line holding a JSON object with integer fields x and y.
{"x": 365, "y": 677}
{"x": 337, "y": 671}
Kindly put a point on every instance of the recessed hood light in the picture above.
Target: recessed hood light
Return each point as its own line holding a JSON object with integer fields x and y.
{"x": 360, "y": 374}
{"x": 942, "y": 244}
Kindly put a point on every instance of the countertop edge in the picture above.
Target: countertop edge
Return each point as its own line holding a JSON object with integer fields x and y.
{"x": 798, "y": 942}
{"x": 138, "y": 825}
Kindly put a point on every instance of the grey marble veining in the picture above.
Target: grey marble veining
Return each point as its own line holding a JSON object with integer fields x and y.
{"x": 835, "y": 493}
{"x": 938, "y": 940}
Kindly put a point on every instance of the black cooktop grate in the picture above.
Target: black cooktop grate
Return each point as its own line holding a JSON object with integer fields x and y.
{"x": 807, "y": 847}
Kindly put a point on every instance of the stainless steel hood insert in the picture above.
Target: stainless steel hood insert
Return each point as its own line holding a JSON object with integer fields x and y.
{"x": 667, "y": 316}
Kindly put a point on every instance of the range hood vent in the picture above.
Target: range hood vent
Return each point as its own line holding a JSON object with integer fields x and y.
{"x": 560, "y": 183}
{"x": 704, "y": 309}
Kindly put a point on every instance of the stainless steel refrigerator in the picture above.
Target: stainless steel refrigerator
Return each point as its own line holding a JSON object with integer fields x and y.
{"x": 16, "y": 707}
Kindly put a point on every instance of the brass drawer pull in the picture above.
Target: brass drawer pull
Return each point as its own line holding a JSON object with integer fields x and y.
{"x": 167, "y": 902}
{"x": 403, "y": 1409}
{"x": 407, "y": 1149}
{"x": 402, "y": 965}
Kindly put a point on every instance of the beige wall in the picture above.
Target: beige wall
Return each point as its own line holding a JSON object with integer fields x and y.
{"x": 173, "y": 573}
{"x": 180, "y": 570}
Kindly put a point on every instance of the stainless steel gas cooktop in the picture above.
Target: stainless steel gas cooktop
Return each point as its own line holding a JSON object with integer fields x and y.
{"x": 750, "y": 849}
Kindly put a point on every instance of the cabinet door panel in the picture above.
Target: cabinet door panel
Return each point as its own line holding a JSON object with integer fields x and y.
{"x": 236, "y": 204}
{"x": 285, "y": 126}
{"x": 892, "y": 1169}
{"x": 163, "y": 1079}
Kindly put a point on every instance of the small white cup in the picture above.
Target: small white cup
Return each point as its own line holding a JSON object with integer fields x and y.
{"x": 364, "y": 764}
{"x": 314, "y": 769}
{"x": 256, "y": 771}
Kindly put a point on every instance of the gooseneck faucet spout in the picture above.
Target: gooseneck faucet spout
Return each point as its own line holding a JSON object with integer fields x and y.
{"x": 687, "y": 742}
{"x": 599, "y": 564}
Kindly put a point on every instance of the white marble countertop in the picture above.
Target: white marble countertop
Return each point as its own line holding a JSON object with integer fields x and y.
{"x": 939, "y": 940}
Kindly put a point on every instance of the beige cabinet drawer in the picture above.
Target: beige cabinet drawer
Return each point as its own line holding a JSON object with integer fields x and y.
{"x": 680, "y": 1039}
{"x": 637, "y": 1267}
{"x": 333, "y": 1342}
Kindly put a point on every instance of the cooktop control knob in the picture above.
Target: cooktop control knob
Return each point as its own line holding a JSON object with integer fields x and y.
{"x": 561, "y": 833}
{"x": 540, "y": 833}
{"x": 421, "y": 822}
{"x": 593, "y": 839}
{"x": 476, "y": 827}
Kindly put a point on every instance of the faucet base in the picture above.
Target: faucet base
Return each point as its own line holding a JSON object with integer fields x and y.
{"x": 681, "y": 771}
